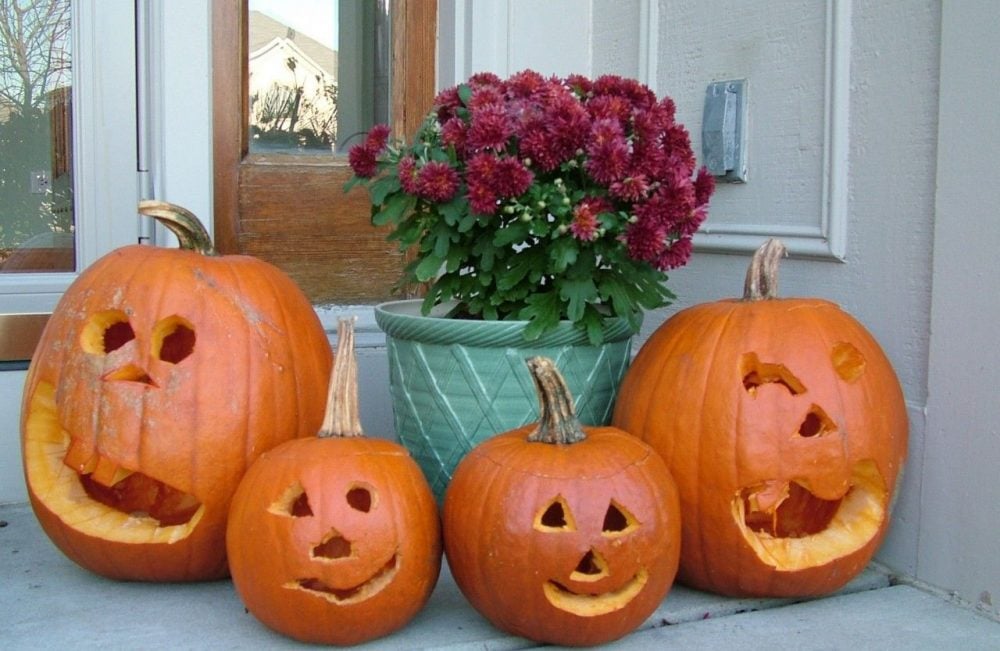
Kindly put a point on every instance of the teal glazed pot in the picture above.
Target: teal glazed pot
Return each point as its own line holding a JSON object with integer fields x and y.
{"x": 455, "y": 382}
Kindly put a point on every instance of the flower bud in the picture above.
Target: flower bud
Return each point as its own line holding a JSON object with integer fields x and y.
{"x": 526, "y": 216}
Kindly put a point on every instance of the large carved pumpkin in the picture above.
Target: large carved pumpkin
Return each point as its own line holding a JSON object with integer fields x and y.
{"x": 335, "y": 539}
{"x": 784, "y": 425}
{"x": 162, "y": 373}
{"x": 562, "y": 533}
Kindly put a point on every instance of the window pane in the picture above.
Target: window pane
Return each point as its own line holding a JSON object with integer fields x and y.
{"x": 318, "y": 73}
{"x": 36, "y": 170}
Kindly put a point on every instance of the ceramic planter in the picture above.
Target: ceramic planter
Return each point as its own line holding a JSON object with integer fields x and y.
{"x": 457, "y": 382}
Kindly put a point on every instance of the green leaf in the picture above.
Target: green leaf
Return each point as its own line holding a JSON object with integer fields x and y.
{"x": 382, "y": 188}
{"x": 464, "y": 93}
{"x": 455, "y": 210}
{"x": 564, "y": 252}
{"x": 511, "y": 234}
{"x": 355, "y": 180}
{"x": 542, "y": 313}
{"x": 577, "y": 293}
{"x": 393, "y": 209}
{"x": 428, "y": 268}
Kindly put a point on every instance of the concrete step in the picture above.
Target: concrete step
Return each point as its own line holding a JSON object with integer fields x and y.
{"x": 46, "y": 601}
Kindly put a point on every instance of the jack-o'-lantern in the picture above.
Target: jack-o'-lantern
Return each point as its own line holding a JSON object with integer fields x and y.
{"x": 335, "y": 539}
{"x": 160, "y": 376}
{"x": 562, "y": 533}
{"x": 784, "y": 425}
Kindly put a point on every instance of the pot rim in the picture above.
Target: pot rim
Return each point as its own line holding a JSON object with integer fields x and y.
{"x": 401, "y": 319}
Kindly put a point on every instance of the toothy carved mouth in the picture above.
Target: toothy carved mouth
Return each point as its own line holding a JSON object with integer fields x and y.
{"x": 791, "y": 529}
{"x": 592, "y": 605}
{"x": 355, "y": 594}
{"x": 94, "y": 495}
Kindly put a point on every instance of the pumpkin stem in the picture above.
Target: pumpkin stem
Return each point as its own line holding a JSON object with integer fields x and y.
{"x": 181, "y": 222}
{"x": 762, "y": 274}
{"x": 557, "y": 421}
{"x": 342, "y": 417}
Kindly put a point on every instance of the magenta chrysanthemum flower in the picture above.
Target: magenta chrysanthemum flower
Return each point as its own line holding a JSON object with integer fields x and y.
{"x": 674, "y": 256}
{"x": 704, "y": 186}
{"x": 363, "y": 158}
{"x": 484, "y": 97}
{"x": 407, "y": 170}
{"x": 490, "y": 128}
{"x": 437, "y": 181}
{"x": 630, "y": 189}
{"x": 585, "y": 226}
{"x": 608, "y": 151}
{"x": 511, "y": 178}
{"x": 525, "y": 83}
{"x": 645, "y": 240}
{"x": 363, "y": 161}
{"x": 377, "y": 138}
{"x": 453, "y": 134}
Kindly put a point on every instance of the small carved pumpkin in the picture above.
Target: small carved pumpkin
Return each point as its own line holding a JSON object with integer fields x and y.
{"x": 161, "y": 374}
{"x": 335, "y": 539}
{"x": 785, "y": 427}
{"x": 561, "y": 533}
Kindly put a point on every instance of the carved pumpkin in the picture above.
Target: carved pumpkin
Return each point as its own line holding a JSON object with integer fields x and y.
{"x": 161, "y": 374}
{"x": 335, "y": 539}
{"x": 561, "y": 533}
{"x": 784, "y": 425}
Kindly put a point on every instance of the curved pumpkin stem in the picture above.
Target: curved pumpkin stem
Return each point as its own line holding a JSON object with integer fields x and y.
{"x": 557, "y": 421}
{"x": 342, "y": 417}
{"x": 762, "y": 275}
{"x": 181, "y": 222}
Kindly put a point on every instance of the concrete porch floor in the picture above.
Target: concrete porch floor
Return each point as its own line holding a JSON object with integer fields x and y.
{"x": 47, "y": 602}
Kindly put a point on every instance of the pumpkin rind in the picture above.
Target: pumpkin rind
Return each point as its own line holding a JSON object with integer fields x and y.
{"x": 335, "y": 539}
{"x": 222, "y": 358}
{"x": 785, "y": 428}
{"x": 589, "y": 575}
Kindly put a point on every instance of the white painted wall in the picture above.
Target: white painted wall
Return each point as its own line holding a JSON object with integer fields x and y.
{"x": 919, "y": 144}
{"x": 960, "y": 491}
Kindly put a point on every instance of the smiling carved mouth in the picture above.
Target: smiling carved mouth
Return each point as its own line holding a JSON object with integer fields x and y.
{"x": 592, "y": 605}
{"x": 355, "y": 594}
{"x": 791, "y": 529}
{"x": 94, "y": 495}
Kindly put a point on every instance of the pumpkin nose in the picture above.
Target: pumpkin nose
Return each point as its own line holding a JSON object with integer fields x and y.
{"x": 591, "y": 567}
{"x": 130, "y": 373}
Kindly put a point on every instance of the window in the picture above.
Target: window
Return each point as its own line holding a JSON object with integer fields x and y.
{"x": 280, "y": 161}
{"x": 68, "y": 183}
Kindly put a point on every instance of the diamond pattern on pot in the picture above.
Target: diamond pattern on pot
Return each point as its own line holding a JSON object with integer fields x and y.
{"x": 447, "y": 399}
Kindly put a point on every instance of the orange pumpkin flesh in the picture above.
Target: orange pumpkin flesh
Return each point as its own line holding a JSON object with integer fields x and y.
{"x": 785, "y": 428}
{"x": 559, "y": 533}
{"x": 160, "y": 376}
{"x": 335, "y": 539}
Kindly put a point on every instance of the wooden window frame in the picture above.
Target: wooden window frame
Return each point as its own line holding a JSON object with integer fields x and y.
{"x": 326, "y": 242}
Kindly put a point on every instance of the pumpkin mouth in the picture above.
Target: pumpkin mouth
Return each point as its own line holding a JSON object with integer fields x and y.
{"x": 791, "y": 529}
{"x": 93, "y": 495}
{"x": 354, "y": 594}
{"x": 593, "y": 605}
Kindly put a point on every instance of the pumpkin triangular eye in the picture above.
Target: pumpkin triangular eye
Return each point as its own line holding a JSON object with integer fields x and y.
{"x": 756, "y": 373}
{"x": 106, "y": 332}
{"x": 360, "y": 498}
{"x": 293, "y": 502}
{"x": 555, "y": 516}
{"x": 617, "y": 520}
{"x": 173, "y": 339}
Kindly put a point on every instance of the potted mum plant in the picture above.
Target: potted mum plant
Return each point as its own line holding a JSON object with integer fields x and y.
{"x": 541, "y": 215}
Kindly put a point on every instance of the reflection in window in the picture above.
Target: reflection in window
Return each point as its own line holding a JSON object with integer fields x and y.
{"x": 318, "y": 73}
{"x": 36, "y": 163}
